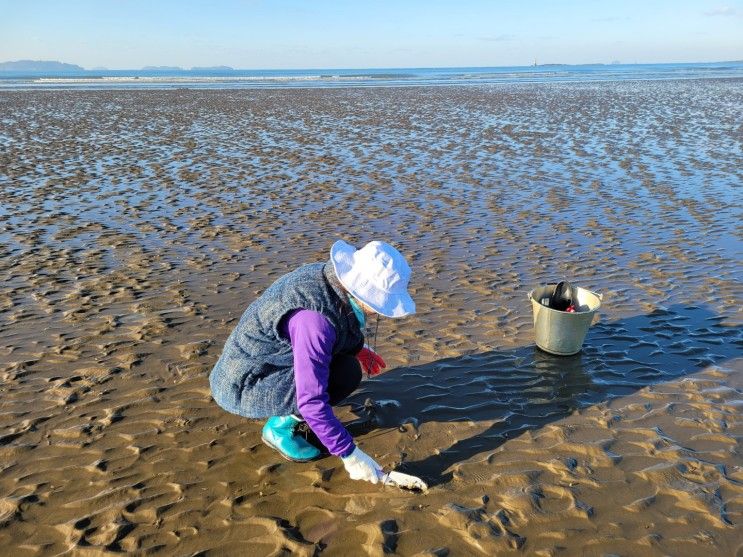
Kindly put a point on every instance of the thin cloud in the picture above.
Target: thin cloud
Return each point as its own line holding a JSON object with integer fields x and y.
{"x": 610, "y": 19}
{"x": 497, "y": 38}
{"x": 725, "y": 11}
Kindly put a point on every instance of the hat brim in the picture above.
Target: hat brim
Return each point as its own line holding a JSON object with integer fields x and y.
{"x": 384, "y": 303}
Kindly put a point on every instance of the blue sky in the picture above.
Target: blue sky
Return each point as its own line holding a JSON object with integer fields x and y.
{"x": 250, "y": 34}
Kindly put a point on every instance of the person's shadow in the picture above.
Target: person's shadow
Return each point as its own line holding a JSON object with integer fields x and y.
{"x": 526, "y": 388}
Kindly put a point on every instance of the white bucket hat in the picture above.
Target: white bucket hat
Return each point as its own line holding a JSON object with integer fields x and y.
{"x": 376, "y": 275}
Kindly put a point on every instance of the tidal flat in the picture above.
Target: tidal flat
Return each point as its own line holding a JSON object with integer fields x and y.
{"x": 136, "y": 226}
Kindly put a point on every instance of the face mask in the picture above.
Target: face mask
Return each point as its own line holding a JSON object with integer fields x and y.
{"x": 358, "y": 312}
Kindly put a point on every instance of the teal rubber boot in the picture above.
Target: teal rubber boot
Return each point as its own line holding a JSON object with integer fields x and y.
{"x": 279, "y": 433}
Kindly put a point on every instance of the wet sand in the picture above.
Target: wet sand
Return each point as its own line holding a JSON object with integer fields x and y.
{"x": 136, "y": 226}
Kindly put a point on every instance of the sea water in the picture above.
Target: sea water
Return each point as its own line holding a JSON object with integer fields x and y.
{"x": 375, "y": 77}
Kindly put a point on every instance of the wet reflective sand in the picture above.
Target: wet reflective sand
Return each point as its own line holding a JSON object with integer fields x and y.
{"x": 136, "y": 226}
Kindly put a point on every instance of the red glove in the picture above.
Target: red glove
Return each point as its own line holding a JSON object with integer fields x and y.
{"x": 371, "y": 362}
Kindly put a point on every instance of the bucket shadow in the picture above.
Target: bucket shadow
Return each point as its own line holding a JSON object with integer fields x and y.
{"x": 525, "y": 388}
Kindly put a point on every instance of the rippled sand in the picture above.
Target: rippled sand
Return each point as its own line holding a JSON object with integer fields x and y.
{"x": 136, "y": 226}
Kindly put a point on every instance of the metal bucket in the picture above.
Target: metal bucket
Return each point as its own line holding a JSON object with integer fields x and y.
{"x": 561, "y": 332}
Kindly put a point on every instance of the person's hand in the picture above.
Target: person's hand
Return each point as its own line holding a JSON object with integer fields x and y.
{"x": 371, "y": 362}
{"x": 360, "y": 466}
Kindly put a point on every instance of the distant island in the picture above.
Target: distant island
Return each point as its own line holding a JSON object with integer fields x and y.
{"x": 39, "y": 66}
{"x": 212, "y": 69}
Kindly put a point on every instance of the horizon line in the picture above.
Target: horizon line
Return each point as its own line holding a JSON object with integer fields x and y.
{"x": 216, "y": 66}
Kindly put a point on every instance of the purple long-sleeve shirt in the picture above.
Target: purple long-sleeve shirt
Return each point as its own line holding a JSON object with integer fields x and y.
{"x": 312, "y": 338}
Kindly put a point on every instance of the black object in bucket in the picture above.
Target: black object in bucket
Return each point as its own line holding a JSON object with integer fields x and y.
{"x": 564, "y": 297}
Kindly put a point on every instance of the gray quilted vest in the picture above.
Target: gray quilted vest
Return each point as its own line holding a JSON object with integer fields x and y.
{"x": 255, "y": 350}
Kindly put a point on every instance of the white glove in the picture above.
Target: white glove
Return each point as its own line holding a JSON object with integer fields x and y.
{"x": 360, "y": 466}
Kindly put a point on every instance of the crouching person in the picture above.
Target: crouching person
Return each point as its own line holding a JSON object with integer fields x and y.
{"x": 298, "y": 350}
